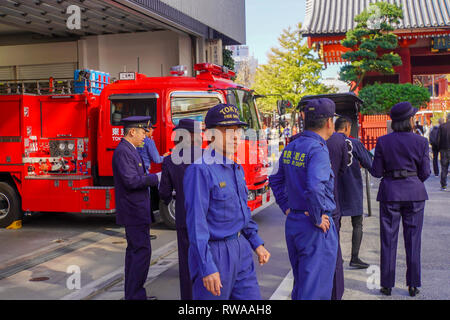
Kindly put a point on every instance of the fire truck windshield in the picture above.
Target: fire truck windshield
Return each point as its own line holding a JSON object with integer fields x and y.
{"x": 195, "y": 105}
{"x": 192, "y": 105}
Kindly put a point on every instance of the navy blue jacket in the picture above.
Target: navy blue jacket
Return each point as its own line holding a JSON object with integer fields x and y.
{"x": 350, "y": 185}
{"x": 340, "y": 159}
{"x": 172, "y": 179}
{"x": 131, "y": 183}
{"x": 216, "y": 208}
{"x": 401, "y": 151}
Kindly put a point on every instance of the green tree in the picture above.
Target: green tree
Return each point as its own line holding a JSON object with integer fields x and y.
{"x": 379, "y": 98}
{"x": 292, "y": 71}
{"x": 228, "y": 60}
{"x": 371, "y": 43}
{"x": 244, "y": 74}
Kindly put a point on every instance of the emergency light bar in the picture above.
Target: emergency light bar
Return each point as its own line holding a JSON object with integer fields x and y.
{"x": 215, "y": 69}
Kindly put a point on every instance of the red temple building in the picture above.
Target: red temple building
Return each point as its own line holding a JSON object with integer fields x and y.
{"x": 423, "y": 38}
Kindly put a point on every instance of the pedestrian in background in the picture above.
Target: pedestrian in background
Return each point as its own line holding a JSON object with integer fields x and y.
{"x": 131, "y": 185}
{"x": 350, "y": 188}
{"x": 172, "y": 176}
{"x": 434, "y": 146}
{"x": 340, "y": 160}
{"x": 402, "y": 161}
{"x": 444, "y": 150}
{"x": 303, "y": 188}
{"x": 221, "y": 232}
{"x": 418, "y": 128}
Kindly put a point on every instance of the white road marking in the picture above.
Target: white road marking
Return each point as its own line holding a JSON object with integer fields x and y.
{"x": 283, "y": 292}
{"x": 117, "y": 275}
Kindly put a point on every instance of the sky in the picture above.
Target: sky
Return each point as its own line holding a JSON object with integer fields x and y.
{"x": 266, "y": 19}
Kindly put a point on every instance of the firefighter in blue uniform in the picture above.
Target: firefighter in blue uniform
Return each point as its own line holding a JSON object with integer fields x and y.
{"x": 131, "y": 183}
{"x": 402, "y": 161}
{"x": 303, "y": 188}
{"x": 221, "y": 231}
{"x": 173, "y": 169}
{"x": 148, "y": 150}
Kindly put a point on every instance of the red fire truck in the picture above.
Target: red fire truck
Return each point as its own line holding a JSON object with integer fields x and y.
{"x": 56, "y": 148}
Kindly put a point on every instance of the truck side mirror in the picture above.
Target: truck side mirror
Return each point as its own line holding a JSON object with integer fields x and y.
{"x": 282, "y": 105}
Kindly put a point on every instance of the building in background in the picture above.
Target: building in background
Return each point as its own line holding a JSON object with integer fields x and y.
{"x": 148, "y": 36}
{"x": 242, "y": 54}
{"x": 423, "y": 44}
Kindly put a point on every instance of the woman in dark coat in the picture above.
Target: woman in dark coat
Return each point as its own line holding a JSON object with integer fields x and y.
{"x": 402, "y": 160}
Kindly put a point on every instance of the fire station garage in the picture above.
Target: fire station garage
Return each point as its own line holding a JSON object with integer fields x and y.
{"x": 52, "y": 38}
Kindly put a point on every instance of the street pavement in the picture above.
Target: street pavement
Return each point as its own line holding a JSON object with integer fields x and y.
{"x": 49, "y": 244}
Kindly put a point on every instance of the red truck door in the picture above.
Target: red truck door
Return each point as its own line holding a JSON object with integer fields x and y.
{"x": 117, "y": 107}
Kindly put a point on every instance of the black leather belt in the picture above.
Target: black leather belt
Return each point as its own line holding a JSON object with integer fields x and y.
{"x": 400, "y": 174}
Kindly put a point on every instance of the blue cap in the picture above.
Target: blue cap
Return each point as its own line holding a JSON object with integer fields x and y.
{"x": 320, "y": 108}
{"x": 223, "y": 115}
{"x": 402, "y": 111}
{"x": 137, "y": 122}
{"x": 187, "y": 124}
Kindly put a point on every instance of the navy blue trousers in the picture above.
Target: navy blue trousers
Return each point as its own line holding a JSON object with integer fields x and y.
{"x": 312, "y": 254}
{"x": 411, "y": 214}
{"x": 234, "y": 260}
{"x": 137, "y": 261}
{"x": 183, "y": 266}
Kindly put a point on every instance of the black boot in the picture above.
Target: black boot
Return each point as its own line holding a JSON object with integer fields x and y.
{"x": 356, "y": 263}
{"x": 386, "y": 291}
{"x": 413, "y": 291}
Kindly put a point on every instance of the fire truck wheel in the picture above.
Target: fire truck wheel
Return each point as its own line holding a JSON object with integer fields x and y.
{"x": 9, "y": 205}
{"x": 168, "y": 213}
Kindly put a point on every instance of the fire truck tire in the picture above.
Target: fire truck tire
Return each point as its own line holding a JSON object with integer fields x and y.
{"x": 168, "y": 213}
{"x": 10, "y": 210}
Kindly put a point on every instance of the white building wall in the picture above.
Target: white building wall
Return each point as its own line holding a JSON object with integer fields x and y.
{"x": 43, "y": 53}
{"x": 225, "y": 16}
{"x": 157, "y": 52}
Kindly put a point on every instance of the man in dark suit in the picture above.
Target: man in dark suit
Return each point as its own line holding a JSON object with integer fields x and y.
{"x": 340, "y": 159}
{"x": 350, "y": 188}
{"x": 131, "y": 183}
{"x": 172, "y": 176}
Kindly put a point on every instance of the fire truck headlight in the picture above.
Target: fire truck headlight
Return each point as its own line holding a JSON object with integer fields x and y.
{"x": 61, "y": 146}
{"x": 251, "y": 195}
{"x": 71, "y": 146}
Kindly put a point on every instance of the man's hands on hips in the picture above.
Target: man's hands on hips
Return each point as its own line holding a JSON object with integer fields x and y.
{"x": 325, "y": 224}
{"x": 212, "y": 283}
{"x": 263, "y": 255}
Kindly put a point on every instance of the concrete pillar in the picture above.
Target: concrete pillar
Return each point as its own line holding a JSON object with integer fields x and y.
{"x": 185, "y": 52}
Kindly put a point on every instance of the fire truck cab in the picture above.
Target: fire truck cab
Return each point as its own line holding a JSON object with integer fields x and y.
{"x": 56, "y": 149}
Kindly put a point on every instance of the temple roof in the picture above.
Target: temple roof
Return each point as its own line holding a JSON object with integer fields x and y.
{"x": 334, "y": 17}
